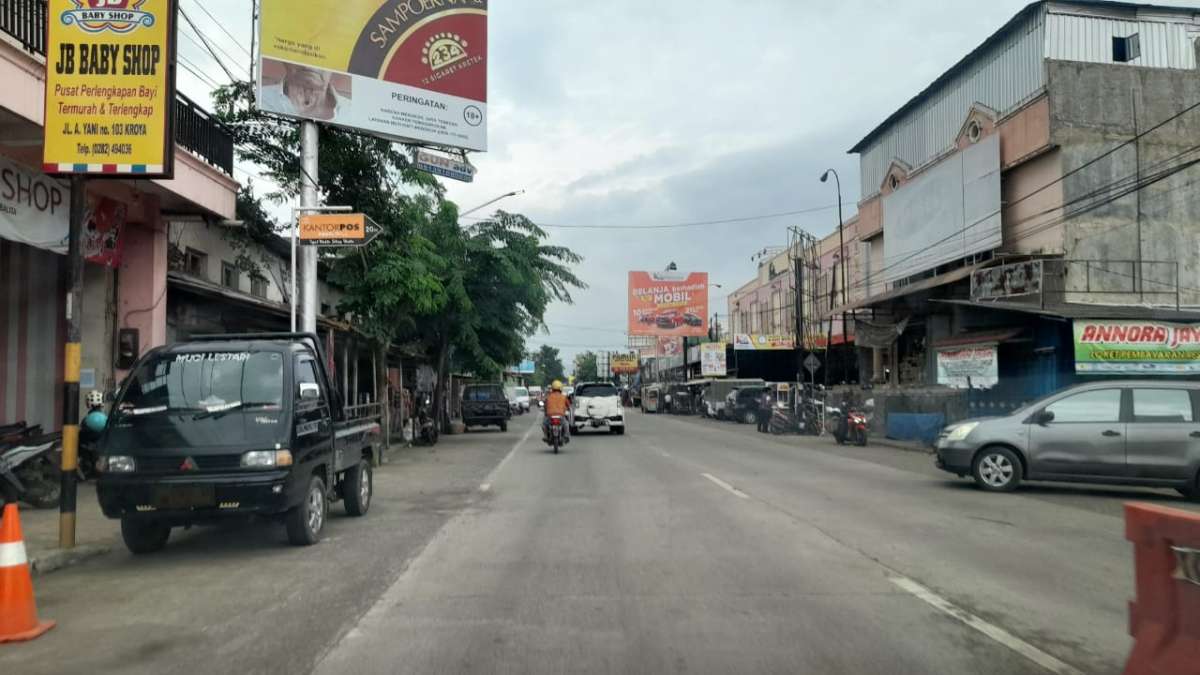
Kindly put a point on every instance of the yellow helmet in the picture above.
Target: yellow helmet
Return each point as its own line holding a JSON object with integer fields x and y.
{"x": 557, "y": 385}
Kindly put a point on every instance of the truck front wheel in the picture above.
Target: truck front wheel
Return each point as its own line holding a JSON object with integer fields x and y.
{"x": 144, "y": 536}
{"x": 357, "y": 487}
{"x": 305, "y": 521}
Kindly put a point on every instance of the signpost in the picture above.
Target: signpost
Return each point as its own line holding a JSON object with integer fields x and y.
{"x": 447, "y": 167}
{"x": 109, "y": 102}
{"x": 812, "y": 363}
{"x": 337, "y": 229}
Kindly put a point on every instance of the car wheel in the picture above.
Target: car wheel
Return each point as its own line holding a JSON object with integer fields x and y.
{"x": 620, "y": 431}
{"x": 503, "y": 426}
{"x": 357, "y": 487}
{"x": 1191, "y": 492}
{"x": 144, "y": 536}
{"x": 305, "y": 521}
{"x": 997, "y": 469}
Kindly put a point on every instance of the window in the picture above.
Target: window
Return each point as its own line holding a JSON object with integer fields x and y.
{"x": 1126, "y": 49}
{"x": 974, "y": 131}
{"x": 195, "y": 263}
{"x": 1103, "y": 405}
{"x": 894, "y": 182}
{"x": 325, "y": 309}
{"x": 258, "y": 286}
{"x": 1162, "y": 405}
{"x": 230, "y": 277}
{"x": 306, "y": 373}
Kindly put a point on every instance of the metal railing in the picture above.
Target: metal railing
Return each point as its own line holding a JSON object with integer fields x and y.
{"x": 25, "y": 20}
{"x": 195, "y": 130}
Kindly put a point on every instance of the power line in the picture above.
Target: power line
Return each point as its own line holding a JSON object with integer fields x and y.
{"x": 697, "y": 223}
{"x": 203, "y": 39}
{"x": 222, "y": 27}
{"x": 191, "y": 68}
{"x": 203, "y": 50}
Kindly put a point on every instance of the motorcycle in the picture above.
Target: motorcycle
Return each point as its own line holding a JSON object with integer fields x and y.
{"x": 29, "y": 472}
{"x": 427, "y": 428}
{"x": 850, "y": 426}
{"x": 554, "y": 436}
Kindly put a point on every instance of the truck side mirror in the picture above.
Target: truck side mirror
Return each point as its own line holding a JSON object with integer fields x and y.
{"x": 309, "y": 391}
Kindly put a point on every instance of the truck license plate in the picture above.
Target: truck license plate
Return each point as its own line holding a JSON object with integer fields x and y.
{"x": 185, "y": 497}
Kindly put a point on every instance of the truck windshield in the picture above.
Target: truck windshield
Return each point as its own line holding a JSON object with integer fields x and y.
{"x": 200, "y": 399}
{"x": 596, "y": 390}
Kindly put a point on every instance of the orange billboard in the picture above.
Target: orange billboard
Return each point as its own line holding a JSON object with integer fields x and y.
{"x": 668, "y": 303}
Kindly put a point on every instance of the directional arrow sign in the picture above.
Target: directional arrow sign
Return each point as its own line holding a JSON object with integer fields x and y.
{"x": 337, "y": 229}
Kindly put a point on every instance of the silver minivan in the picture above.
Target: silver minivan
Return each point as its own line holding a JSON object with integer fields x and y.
{"x": 1121, "y": 432}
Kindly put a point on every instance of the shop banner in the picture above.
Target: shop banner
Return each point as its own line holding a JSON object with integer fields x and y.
{"x": 668, "y": 303}
{"x": 964, "y": 367}
{"x": 623, "y": 364}
{"x": 712, "y": 359}
{"x": 754, "y": 342}
{"x": 110, "y": 88}
{"x": 1153, "y": 347}
{"x": 34, "y": 209}
{"x": 670, "y": 346}
{"x": 409, "y": 70}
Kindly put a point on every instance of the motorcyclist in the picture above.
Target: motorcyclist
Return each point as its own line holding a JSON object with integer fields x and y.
{"x": 556, "y": 406}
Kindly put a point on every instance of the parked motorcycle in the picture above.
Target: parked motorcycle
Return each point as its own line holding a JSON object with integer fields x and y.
{"x": 849, "y": 426}
{"x": 554, "y": 437}
{"x": 427, "y": 428}
{"x": 29, "y": 471}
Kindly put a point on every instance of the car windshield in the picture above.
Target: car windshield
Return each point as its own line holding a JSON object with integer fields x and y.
{"x": 200, "y": 399}
{"x": 521, "y": 391}
{"x": 596, "y": 390}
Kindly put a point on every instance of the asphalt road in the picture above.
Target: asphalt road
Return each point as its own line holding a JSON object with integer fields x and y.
{"x": 696, "y": 546}
{"x": 686, "y": 545}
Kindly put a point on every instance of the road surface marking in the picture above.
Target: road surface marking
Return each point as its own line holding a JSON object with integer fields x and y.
{"x": 487, "y": 484}
{"x": 998, "y": 634}
{"x": 725, "y": 485}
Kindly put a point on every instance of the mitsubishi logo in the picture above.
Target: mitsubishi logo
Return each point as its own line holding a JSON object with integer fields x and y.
{"x": 188, "y": 465}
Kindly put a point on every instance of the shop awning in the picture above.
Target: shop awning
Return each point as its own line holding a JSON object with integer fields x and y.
{"x": 915, "y": 287}
{"x": 1074, "y": 310}
{"x": 978, "y": 338}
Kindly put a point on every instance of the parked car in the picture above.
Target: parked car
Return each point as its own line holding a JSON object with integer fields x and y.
{"x": 717, "y": 391}
{"x": 1128, "y": 432}
{"x": 742, "y": 404}
{"x": 232, "y": 426}
{"x": 485, "y": 405}
{"x": 598, "y": 406}
{"x": 668, "y": 320}
{"x": 518, "y": 400}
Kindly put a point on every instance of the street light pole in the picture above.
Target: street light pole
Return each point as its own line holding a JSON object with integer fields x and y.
{"x": 841, "y": 258}
{"x": 506, "y": 195}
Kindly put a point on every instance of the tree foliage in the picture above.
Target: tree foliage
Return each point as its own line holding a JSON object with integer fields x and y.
{"x": 587, "y": 367}
{"x": 547, "y": 366}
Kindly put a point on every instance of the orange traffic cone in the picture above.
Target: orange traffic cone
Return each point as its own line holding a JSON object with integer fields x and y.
{"x": 18, "y": 611}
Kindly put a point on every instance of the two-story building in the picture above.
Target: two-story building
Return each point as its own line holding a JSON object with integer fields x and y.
{"x": 1042, "y": 181}
{"x": 124, "y": 308}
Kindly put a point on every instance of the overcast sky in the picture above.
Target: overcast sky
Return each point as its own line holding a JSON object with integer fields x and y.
{"x": 635, "y": 113}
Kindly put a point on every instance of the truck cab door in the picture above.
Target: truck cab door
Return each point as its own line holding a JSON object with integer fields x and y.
{"x": 313, "y": 423}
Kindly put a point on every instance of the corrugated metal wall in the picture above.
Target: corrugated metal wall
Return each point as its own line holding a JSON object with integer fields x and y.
{"x": 1011, "y": 77}
{"x": 1089, "y": 39}
{"x": 32, "y": 332}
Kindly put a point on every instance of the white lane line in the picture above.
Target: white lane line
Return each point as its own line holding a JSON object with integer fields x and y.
{"x": 726, "y": 486}
{"x": 998, "y": 634}
{"x": 491, "y": 477}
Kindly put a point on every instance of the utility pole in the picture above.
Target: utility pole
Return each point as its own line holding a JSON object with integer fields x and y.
{"x": 71, "y": 363}
{"x": 309, "y": 144}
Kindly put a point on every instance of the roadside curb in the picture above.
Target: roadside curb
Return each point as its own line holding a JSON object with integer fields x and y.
{"x": 53, "y": 560}
{"x": 906, "y": 447}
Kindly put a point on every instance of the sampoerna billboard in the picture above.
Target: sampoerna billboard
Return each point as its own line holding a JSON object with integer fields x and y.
{"x": 1130, "y": 347}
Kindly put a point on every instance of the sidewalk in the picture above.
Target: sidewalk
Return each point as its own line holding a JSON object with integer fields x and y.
{"x": 95, "y": 535}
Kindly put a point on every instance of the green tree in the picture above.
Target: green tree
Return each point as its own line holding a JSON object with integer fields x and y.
{"x": 547, "y": 366}
{"x": 587, "y": 367}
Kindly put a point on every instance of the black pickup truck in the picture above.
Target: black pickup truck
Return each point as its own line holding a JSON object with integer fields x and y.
{"x": 485, "y": 404}
{"x": 232, "y": 425}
